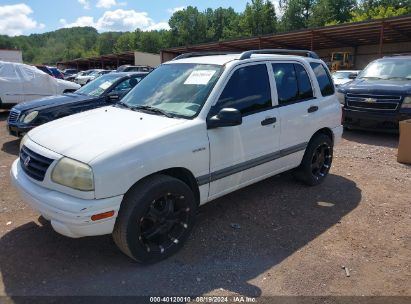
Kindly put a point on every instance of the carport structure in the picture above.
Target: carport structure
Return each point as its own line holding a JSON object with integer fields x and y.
{"x": 110, "y": 61}
{"x": 366, "y": 40}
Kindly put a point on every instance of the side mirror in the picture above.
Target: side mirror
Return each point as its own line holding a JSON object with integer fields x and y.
{"x": 352, "y": 76}
{"x": 227, "y": 117}
{"x": 113, "y": 97}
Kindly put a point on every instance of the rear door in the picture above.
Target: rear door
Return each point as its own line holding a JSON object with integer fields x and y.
{"x": 298, "y": 108}
{"x": 243, "y": 153}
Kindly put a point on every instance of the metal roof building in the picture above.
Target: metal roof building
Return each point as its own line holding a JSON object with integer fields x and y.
{"x": 366, "y": 40}
{"x": 112, "y": 61}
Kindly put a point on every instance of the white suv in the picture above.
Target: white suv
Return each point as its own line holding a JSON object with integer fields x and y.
{"x": 194, "y": 129}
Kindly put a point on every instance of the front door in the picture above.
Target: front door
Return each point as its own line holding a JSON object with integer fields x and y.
{"x": 243, "y": 153}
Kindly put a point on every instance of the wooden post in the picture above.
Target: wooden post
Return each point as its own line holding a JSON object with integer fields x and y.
{"x": 381, "y": 38}
{"x": 312, "y": 41}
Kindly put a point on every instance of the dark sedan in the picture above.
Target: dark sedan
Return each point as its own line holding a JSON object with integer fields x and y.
{"x": 103, "y": 91}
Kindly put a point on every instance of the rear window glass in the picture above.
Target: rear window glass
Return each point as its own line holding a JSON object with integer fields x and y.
{"x": 324, "y": 79}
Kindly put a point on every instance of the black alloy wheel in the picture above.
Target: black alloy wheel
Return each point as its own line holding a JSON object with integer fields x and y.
{"x": 164, "y": 223}
{"x": 317, "y": 160}
{"x": 321, "y": 161}
{"x": 155, "y": 218}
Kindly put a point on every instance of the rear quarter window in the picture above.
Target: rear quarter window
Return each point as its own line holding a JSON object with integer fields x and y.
{"x": 323, "y": 78}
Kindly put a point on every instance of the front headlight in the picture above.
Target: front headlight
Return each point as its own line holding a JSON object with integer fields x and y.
{"x": 23, "y": 141}
{"x": 30, "y": 117}
{"x": 341, "y": 97}
{"x": 406, "y": 104}
{"x": 74, "y": 174}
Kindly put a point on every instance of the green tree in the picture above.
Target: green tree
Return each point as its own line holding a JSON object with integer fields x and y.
{"x": 259, "y": 18}
{"x": 296, "y": 14}
{"x": 379, "y": 12}
{"x": 331, "y": 12}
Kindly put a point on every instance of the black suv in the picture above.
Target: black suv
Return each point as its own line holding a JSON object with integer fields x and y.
{"x": 380, "y": 96}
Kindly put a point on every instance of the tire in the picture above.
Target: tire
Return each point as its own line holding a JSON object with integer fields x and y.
{"x": 161, "y": 204}
{"x": 315, "y": 165}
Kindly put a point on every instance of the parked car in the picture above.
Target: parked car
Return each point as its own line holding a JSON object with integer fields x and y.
{"x": 69, "y": 72}
{"x": 56, "y": 72}
{"x": 194, "y": 129}
{"x": 86, "y": 78}
{"x": 74, "y": 76}
{"x": 45, "y": 69}
{"x": 20, "y": 82}
{"x": 103, "y": 91}
{"x": 344, "y": 76}
{"x": 380, "y": 96}
{"x": 134, "y": 68}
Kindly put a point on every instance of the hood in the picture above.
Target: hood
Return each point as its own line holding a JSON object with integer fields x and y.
{"x": 384, "y": 87}
{"x": 86, "y": 135}
{"x": 52, "y": 101}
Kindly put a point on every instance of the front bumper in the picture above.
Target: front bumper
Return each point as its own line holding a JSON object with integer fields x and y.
{"x": 69, "y": 216}
{"x": 385, "y": 122}
{"x": 17, "y": 130}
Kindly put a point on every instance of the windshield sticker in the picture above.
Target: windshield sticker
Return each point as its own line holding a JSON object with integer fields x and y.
{"x": 201, "y": 77}
{"x": 105, "y": 85}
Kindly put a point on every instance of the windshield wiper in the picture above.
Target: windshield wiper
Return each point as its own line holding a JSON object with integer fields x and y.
{"x": 120, "y": 103}
{"x": 153, "y": 110}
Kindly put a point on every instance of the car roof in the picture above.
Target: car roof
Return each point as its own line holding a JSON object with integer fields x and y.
{"x": 226, "y": 58}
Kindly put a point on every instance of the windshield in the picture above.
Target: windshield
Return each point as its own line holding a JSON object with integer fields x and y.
{"x": 395, "y": 69}
{"x": 177, "y": 89}
{"x": 98, "y": 86}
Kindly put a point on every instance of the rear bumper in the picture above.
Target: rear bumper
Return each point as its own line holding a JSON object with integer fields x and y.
{"x": 69, "y": 216}
{"x": 386, "y": 122}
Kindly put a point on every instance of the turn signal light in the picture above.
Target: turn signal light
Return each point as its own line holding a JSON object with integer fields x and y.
{"x": 100, "y": 216}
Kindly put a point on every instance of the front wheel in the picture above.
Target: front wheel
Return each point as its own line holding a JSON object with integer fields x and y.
{"x": 155, "y": 219}
{"x": 317, "y": 160}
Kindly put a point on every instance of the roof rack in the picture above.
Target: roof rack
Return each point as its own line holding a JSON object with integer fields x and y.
{"x": 306, "y": 53}
{"x": 248, "y": 54}
{"x": 199, "y": 54}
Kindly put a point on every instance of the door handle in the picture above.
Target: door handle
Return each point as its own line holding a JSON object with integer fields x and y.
{"x": 268, "y": 121}
{"x": 312, "y": 109}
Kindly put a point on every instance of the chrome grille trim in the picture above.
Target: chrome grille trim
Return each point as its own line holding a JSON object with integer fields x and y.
{"x": 388, "y": 103}
{"x": 36, "y": 166}
{"x": 14, "y": 116}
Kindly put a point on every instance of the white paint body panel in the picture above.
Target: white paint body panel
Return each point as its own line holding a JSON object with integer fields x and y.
{"x": 123, "y": 146}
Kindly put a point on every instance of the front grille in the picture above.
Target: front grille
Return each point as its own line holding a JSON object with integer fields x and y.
{"x": 373, "y": 102}
{"x": 34, "y": 164}
{"x": 14, "y": 116}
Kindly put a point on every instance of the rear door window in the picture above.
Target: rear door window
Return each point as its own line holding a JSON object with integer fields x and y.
{"x": 305, "y": 90}
{"x": 293, "y": 83}
{"x": 286, "y": 82}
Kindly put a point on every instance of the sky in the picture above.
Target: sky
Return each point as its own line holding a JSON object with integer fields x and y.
{"x": 25, "y": 17}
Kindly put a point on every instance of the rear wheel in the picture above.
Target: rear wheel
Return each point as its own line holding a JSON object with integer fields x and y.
{"x": 317, "y": 160}
{"x": 155, "y": 219}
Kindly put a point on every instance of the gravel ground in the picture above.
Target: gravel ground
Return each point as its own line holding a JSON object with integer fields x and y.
{"x": 277, "y": 237}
